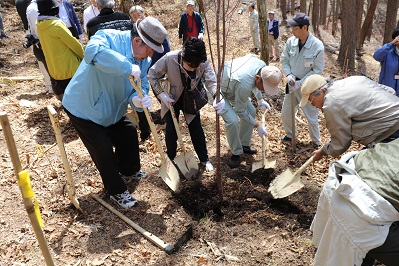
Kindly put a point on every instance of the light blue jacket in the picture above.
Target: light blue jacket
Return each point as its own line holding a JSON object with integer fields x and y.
{"x": 389, "y": 60}
{"x": 308, "y": 61}
{"x": 100, "y": 90}
{"x": 238, "y": 82}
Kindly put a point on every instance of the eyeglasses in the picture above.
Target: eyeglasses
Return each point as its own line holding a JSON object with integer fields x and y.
{"x": 294, "y": 29}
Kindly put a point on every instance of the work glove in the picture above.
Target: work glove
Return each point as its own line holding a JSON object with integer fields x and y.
{"x": 201, "y": 36}
{"x": 291, "y": 80}
{"x": 219, "y": 106}
{"x": 166, "y": 99}
{"x": 296, "y": 86}
{"x": 144, "y": 102}
{"x": 136, "y": 72}
{"x": 262, "y": 131}
{"x": 263, "y": 105}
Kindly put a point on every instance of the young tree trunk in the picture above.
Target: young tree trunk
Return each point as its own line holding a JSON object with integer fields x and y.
{"x": 303, "y": 6}
{"x": 335, "y": 17}
{"x": 358, "y": 25}
{"x": 390, "y": 22}
{"x": 263, "y": 31}
{"x": 346, "y": 56}
{"x": 315, "y": 16}
{"x": 367, "y": 22}
{"x": 283, "y": 7}
{"x": 322, "y": 13}
{"x": 292, "y": 7}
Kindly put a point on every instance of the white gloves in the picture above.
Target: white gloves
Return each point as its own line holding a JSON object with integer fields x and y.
{"x": 201, "y": 36}
{"x": 263, "y": 105}
{"x": 144, "y": 102}
{"x": 136, "y": 72}
{"x": 166, "y": 99}
{"x": 296, "y": 86}
{"x": 219, "y": 106}
{"x": 262, "y": 131}
{"x": 291, "y": 80}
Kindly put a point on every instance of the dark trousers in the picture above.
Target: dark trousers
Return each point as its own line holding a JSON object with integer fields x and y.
{"x": 100, "y": 142}
{"x": 196, "y": 133}
{"x": 387, "y": 253}
{"x": 59, "y": 87}
{"x": 144, "y": 126}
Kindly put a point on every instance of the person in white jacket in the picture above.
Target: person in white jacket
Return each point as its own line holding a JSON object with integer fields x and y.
{"x": 357, "y": 218}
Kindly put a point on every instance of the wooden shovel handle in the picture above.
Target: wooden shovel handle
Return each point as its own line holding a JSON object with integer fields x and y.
{"x": 137, "y": 87}
{"x": 304, "y": 166}
{"x": 172, "y": 112}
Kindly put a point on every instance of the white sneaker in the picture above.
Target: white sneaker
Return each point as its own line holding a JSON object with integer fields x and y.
{"x": 208, "y": 166}
{"x": 136, "y": 176}
{"x": 125, "y": 200}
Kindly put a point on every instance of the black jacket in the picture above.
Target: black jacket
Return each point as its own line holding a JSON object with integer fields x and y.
{"x": 108, "y": 19}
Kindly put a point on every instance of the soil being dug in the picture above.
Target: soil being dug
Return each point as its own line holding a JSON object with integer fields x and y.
{"x": 246, "y": 227}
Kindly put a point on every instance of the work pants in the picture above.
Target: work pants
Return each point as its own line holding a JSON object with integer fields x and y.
{"x": 238, "y": 131}
{"x": 255, "y": 39}
{"x": 387, "y": 253}
{"x": 100, "y": 142}
{"x": 273, "y": 43}
{"x": 196, "y": 133}
{"x": 38, "y": 52}
{"x": 311, "y": 113}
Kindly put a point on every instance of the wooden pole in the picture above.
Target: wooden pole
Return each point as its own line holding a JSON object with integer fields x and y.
{"x": 27, "y": 201}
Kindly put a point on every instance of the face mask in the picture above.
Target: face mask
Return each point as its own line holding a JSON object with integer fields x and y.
{"x": 397, "y": 50}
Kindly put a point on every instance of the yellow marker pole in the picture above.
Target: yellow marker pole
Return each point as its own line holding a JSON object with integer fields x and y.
{"x": 27, "y": 194}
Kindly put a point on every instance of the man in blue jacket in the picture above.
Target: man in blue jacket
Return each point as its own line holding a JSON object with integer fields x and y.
{"x": 388, "y": 56}
{"x": 98, "y": 95}
{"x": 191, "y": 24}
{"x": 272, "y": 27}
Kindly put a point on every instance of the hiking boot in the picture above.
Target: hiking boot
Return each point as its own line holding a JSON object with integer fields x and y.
{"x": 249, "y": 150}
{"x": 137, "y": 176}
{"x": 208, "y": 166}
{"x": 285, "y": 138}
{"x": 125, "y": 200}
{"x": 234, "y": 161}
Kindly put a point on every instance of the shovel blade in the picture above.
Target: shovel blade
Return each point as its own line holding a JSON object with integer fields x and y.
{"x": 187, "y": 162}
{"x": 256, "y": 166}
{"x": 170, "y": 175}
{"x": 269, "y": 164}
{"x": 285, "y": 184}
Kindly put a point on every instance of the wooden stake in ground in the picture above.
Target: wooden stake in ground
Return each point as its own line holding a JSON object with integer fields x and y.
{"x": 29, "y": 206}
{"x": 70, "y": 184}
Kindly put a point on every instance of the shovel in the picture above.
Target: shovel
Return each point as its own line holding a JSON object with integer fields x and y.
{"x": 265, "y": 163}
{"x": 185, "y": 161}
{"x": 168, "y": 171}
{"x": 70, "y": 184}
{"x": 288, "y": 182}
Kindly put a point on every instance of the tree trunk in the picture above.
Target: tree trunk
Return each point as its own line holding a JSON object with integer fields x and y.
{"x": 315, "y": 16}
{"x": 358, "y": 25}
{"x": 346, "y": 56}
{"x": 390, "y": 22}
{"x": 303, "y": 6}
{"x": 283, "y": 7}
{"x": 335, "y": 17}
{"x": 322, "y": 13}
{"x": 367, "y": 23}
{"x": 261, "y": 5}
{"x": 292, "y": 7}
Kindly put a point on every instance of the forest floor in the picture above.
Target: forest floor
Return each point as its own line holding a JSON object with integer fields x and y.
{"x": 248, "y": 227}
